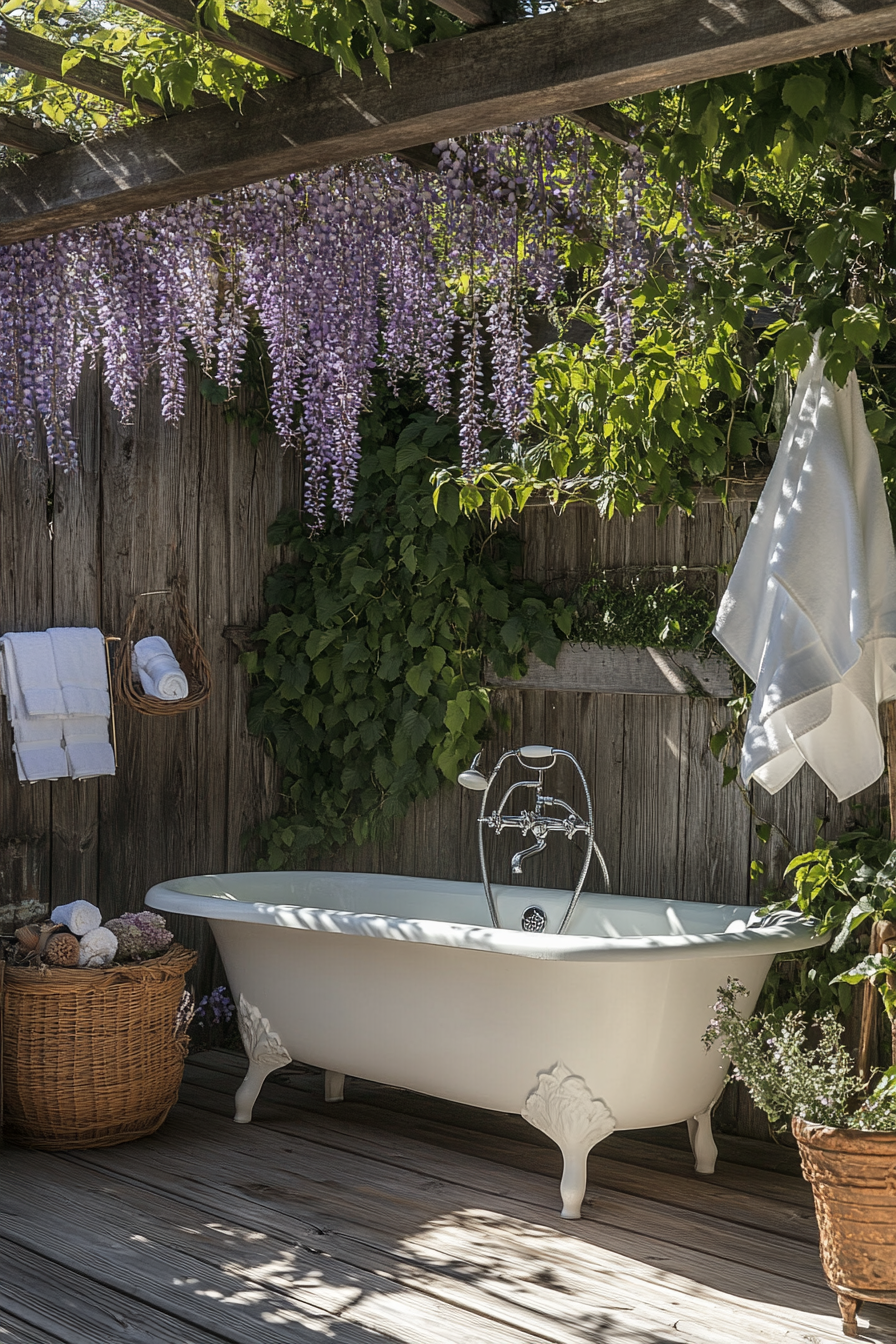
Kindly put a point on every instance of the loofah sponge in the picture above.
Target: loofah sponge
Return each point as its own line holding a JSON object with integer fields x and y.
{"x": 63, "y": 949}
{"x": 98, "y": 947}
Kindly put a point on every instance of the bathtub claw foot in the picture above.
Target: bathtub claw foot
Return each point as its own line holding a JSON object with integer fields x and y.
{"x": 703, "y": 1145}
{"x": 334, "y": 1086}
{"x": 266, "y": 1053}
{"x": 563, "y": 1107}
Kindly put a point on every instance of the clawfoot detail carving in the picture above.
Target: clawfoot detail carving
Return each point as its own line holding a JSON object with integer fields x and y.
{"x": 703, "y": 1145}
{"x": 562, "y": 1107}
{"x": 266, "y": 1052}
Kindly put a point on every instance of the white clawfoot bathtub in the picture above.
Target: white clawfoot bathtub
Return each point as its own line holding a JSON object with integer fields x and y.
{"x": 397, "y": 980}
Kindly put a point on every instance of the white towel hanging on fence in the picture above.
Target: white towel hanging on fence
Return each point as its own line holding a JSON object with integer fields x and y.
{"x": 35, "y": 671}
{"x": 81, "y": 668}
{"x": 37, "y": 746}
{"x": 87, "y": 747}
{"x": 810, "y": 612}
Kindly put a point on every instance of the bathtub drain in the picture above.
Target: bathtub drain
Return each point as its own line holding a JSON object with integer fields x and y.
{"x": 534, "y": 920}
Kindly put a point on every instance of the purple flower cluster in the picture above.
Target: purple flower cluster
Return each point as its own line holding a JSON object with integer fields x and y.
{"x": 215, "y": 1008}
{"x": 140, "y": 935}
{"x": 627, "y": 260}
{"x": 366, "y": 264}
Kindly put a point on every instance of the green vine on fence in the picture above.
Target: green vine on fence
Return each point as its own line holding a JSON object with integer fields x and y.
{"x": 366, "y": 679}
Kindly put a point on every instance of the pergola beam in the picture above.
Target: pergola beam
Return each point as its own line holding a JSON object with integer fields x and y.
{"x": 556, "y": 63}
{"x": 474, "y": 13}
{"x": 40, "y": 57}
{"x": 242, "y": 37}
{"x": 30, "y": 137}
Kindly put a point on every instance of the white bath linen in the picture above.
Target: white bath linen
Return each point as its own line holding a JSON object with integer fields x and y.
{"x": 78, "y": 916}
{"x": 810, "y": 612}
{"x": 80, "y": 654}
{"x": 37, "y": 744}
{"x": 87, "y": 747}
{"x": 161, "y": 675}
{"x": 98, "y": 947}
{"x": 35, "y": 669}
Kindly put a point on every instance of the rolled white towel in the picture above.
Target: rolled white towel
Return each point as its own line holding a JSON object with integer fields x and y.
{"x": 161, "y": 675}
{"x": 98, "y": 947}
{"x": 79, "y": 916}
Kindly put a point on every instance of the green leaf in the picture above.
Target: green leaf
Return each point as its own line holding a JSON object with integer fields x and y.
{"x": 794, "y": 346}
{"x": 419, "y": 678}
{"x": 820, "y": 243}
{"x": 804, "y": 92}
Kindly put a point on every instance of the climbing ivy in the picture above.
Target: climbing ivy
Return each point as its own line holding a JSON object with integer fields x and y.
{"x": 366, "y": 679}
{"x": 644, "y": 610}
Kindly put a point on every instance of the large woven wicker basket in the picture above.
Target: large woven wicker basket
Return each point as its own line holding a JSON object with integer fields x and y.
{"x": 91, "y": 1058}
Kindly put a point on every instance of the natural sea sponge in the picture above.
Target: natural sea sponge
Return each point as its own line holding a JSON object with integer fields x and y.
{"x": 63, "y": 949}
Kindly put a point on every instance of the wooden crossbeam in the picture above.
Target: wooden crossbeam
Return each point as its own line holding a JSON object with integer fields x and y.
{"x": 40, "y": 57}
{"x": 30, "y": 136}
{"x": 474, "y": 13}
{"x": 556, "y": 63}
{"x": 242, "y": 37}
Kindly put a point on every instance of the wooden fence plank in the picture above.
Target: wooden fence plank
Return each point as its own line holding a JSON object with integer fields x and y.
{"x": 76, "y": 601}
{"x": 148, "y": 823}
{"x": 26, "y": 603}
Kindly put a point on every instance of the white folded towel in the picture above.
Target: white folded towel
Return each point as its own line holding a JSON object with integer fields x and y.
{"x": 159, "y": 671}
{"x": 80, "y": 655}
{"x": 98, "y": 947}
{"x": 88, "y": 748}
{"x": 31, "y": 654}
{"x": 810, "y": 612}
{"x": 79, "y": 916}
{"x": 38, "y": 746}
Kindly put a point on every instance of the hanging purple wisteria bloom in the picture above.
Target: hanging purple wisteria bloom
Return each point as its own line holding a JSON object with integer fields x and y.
{"x": 627, "y": 259}
{"x": 369, "y": 264}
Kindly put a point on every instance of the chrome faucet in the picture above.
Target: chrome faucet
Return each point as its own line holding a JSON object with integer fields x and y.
{"x": 535, "y": 821}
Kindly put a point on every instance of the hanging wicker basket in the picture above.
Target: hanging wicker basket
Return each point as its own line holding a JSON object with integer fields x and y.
{"x": 92, "y": 1058}
{"x": 185, "y": 645}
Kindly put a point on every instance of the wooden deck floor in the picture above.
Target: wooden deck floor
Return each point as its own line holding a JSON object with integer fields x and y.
{"x": 393, "y": 1217}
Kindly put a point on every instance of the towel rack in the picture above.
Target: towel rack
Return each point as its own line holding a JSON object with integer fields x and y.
{"x": 107, "y": 640}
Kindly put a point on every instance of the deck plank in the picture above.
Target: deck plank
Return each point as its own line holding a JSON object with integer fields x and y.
{"x": 49, "y": 1300}
{"x": 736, "y": 1200}
{"x": 397, "y": 1219}
{"x": 477, "y": 1258}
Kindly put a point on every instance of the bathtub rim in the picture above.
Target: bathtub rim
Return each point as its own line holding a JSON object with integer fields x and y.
{"x": 787, "y": 932}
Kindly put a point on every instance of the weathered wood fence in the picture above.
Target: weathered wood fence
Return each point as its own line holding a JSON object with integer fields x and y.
{"x": 150, "y": 501}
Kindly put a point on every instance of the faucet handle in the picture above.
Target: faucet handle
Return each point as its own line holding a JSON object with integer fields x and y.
{"x": 535, "y": 753}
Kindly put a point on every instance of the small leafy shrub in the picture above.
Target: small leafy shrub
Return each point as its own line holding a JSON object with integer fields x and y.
{"x": 367, "y": 676}
{"x": 845, "y": 884}
{"x": 643, "y": 612}
{"x": 786, "y": 1074}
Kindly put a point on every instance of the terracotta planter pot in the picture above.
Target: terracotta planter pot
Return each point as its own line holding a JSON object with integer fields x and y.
{"x": 853, "y": 1179}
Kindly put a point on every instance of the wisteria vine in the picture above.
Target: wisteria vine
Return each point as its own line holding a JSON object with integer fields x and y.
{"x": 367, "y": 264}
